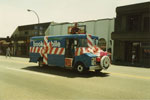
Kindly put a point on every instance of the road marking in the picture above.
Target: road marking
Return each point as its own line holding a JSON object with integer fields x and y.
{"x": 129, "y": 75}
{"x": 31, "y": 72}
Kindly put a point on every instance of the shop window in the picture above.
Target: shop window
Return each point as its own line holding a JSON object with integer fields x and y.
{"x": 146, "y": 26}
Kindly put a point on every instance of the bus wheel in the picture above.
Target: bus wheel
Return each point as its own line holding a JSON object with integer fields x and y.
{"x": 80, "y": 68}
{"x": 40, "y": 63}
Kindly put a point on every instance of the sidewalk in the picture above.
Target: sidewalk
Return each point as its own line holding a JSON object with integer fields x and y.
{"x": 14, "y": 58}
{"x": 131, "y": 65}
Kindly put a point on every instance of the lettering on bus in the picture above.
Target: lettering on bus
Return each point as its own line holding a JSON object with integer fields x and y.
{"x": 55, "y": 44}
{"x": 41, "y": 44}
{"x": 38, "y": 44}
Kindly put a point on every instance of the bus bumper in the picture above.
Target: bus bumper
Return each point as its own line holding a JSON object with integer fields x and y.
{"x": 94, "y": 68}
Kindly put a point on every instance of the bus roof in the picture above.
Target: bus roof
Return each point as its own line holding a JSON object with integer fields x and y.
{"x": 68, "y": 36}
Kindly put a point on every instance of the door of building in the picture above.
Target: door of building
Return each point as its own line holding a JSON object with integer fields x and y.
{"x": 136, "y": 51}
{"x": 132, "y": 48}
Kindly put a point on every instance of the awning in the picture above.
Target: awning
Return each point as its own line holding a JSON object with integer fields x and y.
{"x": 131, "y": 36}
{"x": 21, "y": 42}
{"x": 4, "y": 42}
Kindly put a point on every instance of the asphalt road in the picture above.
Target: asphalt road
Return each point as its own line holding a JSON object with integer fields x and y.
{"x": 21, "y": 80}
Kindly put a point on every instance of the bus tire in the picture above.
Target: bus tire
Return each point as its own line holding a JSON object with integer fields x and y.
{"x": 80, "y": 68}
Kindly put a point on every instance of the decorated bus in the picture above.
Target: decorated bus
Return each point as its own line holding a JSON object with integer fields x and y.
{"x": 79, "y": 52}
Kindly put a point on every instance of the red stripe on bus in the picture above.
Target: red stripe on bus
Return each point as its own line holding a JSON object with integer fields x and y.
{"x": 34, "y": 49}
{"x": 62, "y": 49}
{"x": 50, "y": 52}
{"x": 81, "y": 52}
{"x": 31, "y": 49}
{"x": 38, "y": 49}
{"x": 45, "y": 57}
{"x": 89, "y": 42}
{"x": 76, "y": 51}
{"x": 56, "y": 51}
{"x": 50, "y": 44}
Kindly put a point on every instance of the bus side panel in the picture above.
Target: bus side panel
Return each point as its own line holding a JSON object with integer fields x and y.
{"x": 34, "y": 57}
{"x": 84, "y": 59}
{"x": 38, "y": 43}
{"x": 56, "y": 60}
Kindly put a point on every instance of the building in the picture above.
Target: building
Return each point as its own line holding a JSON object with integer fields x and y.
{"x": 20, "y": 38}
{"x": 132, "y": 34}
{"x": 4, "y": 43}
{"x": 101, "y": 28}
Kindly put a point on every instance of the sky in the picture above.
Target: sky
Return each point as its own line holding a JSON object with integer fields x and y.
{"x": 13, "y": 13}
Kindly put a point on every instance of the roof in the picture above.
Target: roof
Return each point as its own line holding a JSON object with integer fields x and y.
{"x": 145, "y": 6}
{"x": 2, "y": 38}
{"x": 136, "y": 4}
{"x": 67, "y": 36}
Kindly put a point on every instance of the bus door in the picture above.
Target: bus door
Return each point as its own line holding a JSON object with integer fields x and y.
{"x": 70, "y": 51}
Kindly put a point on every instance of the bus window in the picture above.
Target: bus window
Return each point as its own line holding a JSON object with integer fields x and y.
{"x": 82, "y": 43}
{"x": 69, "y": 52}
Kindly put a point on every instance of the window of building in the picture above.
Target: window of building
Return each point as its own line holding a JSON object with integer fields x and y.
{"x": 133, "y": 23}
{"x": 146, "y": 26}
{"x": 26, "y": 32}
{"x": 35, "y": 27}
{"x": 41, "y": 28}
{"x": 41, "y": 33}
{"x": 35, "y": 33}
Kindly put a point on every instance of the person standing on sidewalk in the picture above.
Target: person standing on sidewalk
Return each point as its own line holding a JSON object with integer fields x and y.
{"x": 133, "y": 58}
{"x": 8, "y": 52}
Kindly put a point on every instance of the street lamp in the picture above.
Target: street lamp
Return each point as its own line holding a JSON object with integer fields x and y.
{"x": 35, "y": 14}
{"x": 37, "y": 17}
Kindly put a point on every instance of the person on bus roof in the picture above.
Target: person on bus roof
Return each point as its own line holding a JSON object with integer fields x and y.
{"x": 75, "y": 29}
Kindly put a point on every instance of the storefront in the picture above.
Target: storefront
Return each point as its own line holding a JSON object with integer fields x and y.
{"x": 4, "y": 44}
{"x": 131, "y": 47}
{"x": 21, "y": 37}
{"x": 141, "y": 51}
{"x": 132, "y": 34}
{"x": 20, "y": 47}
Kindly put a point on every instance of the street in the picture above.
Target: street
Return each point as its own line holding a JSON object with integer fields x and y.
{"x": 21, "y": 80}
